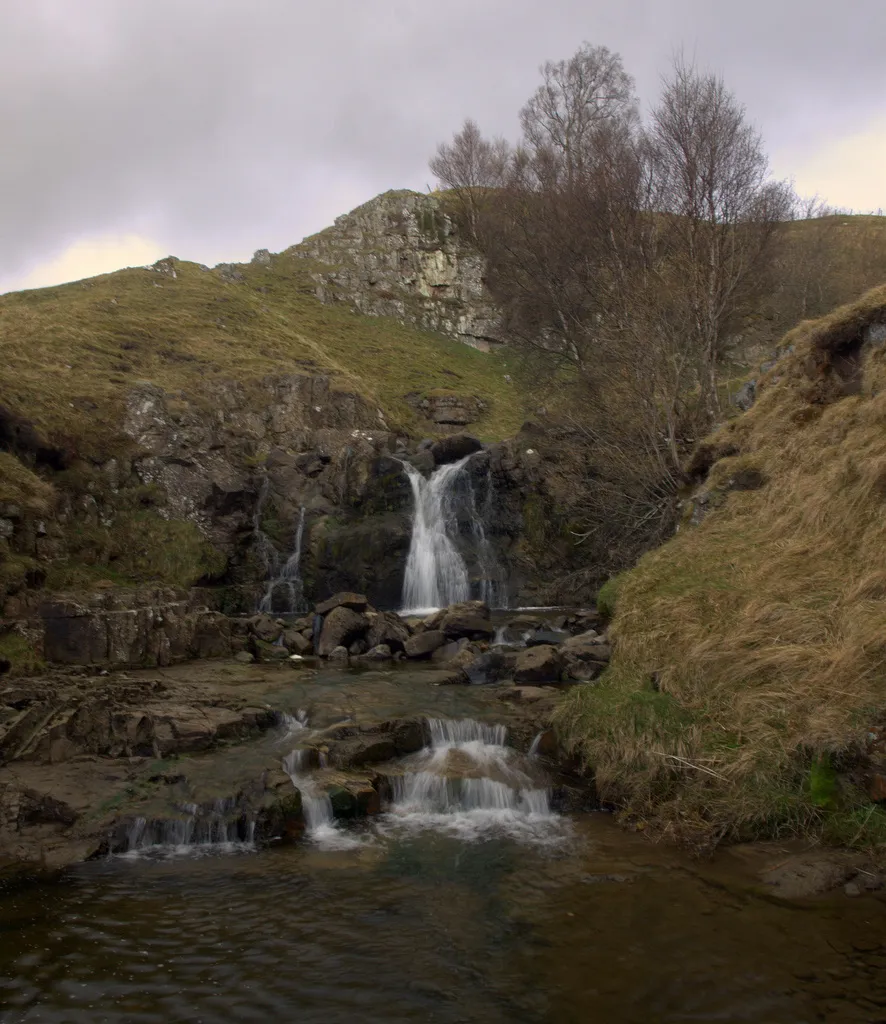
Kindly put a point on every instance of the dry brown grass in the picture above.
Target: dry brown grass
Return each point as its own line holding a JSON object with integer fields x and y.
{"x": 752, "y": 648}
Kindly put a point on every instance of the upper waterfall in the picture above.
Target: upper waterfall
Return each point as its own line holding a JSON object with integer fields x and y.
{"x": 436, "y": 572}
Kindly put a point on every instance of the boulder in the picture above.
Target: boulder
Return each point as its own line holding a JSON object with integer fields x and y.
{"x": 455, "y": 447}
{"x": 346, "y": 599}
{"x": 470, "y": 619}
{"x": 270, "y": 652}
{"x": 423, "y": 644}
{"x": 491, "y": 667}
{"x": 244, "y": 657}
{"x": 265, "y": 627}
{"x": 387, "y": 628}
{"x": 339, "y": 654}
{"x": 585, "y": 657}
{"x": 449, "y": 651}
{"x": 538, "y": 665}
{"x": 296, "y": 642}
{"x": 341, "y": 627}
{"x": 546, "y": 636}
{"x": 381, "y": 652}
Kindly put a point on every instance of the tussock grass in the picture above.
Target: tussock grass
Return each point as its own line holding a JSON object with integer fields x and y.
{"x": 22, "y": 487}
{"x": 70, "y": 354}
{"x": 750, "y": 650}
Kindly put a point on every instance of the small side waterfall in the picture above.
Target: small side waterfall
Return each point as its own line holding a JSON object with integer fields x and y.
{"x": 436, "y": 572}
{"x": 220, "y": 825}
{"x": 284, "y": 592}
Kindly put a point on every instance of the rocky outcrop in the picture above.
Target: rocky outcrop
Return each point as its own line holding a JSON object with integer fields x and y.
{"x": 400, "y": 255}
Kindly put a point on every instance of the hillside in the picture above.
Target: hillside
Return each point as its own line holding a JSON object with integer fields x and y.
{"x": 747, "y": 695}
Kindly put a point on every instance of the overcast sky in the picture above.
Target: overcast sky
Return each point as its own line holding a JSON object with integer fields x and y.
{"x": 132, "y": 129}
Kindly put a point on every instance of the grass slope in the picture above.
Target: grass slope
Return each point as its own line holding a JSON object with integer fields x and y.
{"x": 750, "y": 650}
{"x": 68, "y": 355}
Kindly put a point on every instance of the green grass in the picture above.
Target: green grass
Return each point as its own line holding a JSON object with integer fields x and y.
{"x": 70, "y": 354}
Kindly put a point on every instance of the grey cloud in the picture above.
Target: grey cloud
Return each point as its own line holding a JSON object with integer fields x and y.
{"x": 221, "y": 126}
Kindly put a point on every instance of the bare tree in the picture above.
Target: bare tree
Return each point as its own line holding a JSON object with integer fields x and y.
{"x": 576, "y": 99}
{"x": 722, "y": 210}
{"x": 469, "y": 166}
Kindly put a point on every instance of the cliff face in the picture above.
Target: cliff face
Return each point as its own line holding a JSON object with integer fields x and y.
{"x": 400, "y": 255}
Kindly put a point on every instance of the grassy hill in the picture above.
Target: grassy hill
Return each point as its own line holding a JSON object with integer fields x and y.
{"x": 69, "y": 355}
{"x": 748, "y": 687}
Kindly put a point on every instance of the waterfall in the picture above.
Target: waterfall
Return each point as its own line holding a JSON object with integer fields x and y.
{"x": 436, "y": 573}
{"x": 284, "y": 592}
{"x": 222, "y": 825}
{"x": 469, "y": 783}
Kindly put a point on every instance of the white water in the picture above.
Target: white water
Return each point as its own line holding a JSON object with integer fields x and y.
{"x": 215, "y": 828}
{"x": 284, "y": 590}
{"x": 468, "y": 783}
{"x": 320, "y": 824}
{"x": 436, "y": 573}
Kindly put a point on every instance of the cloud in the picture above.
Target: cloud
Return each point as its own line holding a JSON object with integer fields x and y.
{"x": 848, "y": 172}
{"x": 217, "y": 127}
{"x": 87, "y": 258}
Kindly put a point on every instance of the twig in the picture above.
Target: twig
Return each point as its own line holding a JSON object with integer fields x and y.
{"x": 698, "y": 767}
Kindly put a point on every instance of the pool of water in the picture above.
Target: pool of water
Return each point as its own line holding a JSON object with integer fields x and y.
{"x": 419, "y": 924}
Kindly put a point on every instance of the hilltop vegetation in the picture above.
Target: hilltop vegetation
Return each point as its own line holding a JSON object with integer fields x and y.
{"x": 70, "y": 354}
{"x": 748, "y": 686}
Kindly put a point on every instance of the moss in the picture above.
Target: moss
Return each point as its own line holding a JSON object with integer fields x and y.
{"x": 822, "y": 782}
{"x": 18, "y": 655}
{"x": 607, "y": 596}
{"x": 140, "y": 547}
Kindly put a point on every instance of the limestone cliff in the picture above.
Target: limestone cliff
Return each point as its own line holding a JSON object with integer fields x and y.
{"x": 400, "y": 255}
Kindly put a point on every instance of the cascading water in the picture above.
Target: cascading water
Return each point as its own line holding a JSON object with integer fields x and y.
{"x": 468, "y": 782}
{"x": 284, "y": 592}
{"x": 220, "y": 825}
{"x": 436, "y": 573}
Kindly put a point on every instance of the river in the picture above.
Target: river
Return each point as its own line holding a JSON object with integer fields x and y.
{"x": 469, "y": 898}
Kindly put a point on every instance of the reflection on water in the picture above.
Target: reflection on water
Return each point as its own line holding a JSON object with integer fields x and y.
{"x": 424, "y": 926}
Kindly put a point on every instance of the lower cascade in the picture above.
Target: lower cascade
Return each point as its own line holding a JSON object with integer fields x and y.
{"x": 220, "y": 824}
{"x": 467, "y": 781}
{"x": 436, "y": 573}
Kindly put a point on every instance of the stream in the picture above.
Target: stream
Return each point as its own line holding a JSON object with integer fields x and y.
{"x": 469, "y": 897}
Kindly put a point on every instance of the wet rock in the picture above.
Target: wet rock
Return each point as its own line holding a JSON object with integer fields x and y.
{"x": 344, "y": 802}
{"x": 357, "y": 648}
{"x": 387, "y": 628}
{"x": 455, "y": 447}
{"x": 449, "y": 651}
{"x": 527, "y": 694}
{"x": 381, "y": 652}
{"x": 356, "y": 751}
{"x": 546, "y": 744}
{"x": 423, "y": 461}
{"x": 546, "y": 636}
{"x": 522, "y": 623}
{"x": 270, "y": 652}
{"x": 470, "y": 619}
{"x": 296, "y": 642}
{"x": 341, "y": 627}
{"x": 339, "y": 654}
{"x": 509, "y": 637}
{"x": 265, "y": 627}
{"x": 491, "y": 667}
{"x": 346, "y": 599}
{"x": 424, "y": 644}
{"x": 809, "y": 874}
{"x": 538, "y": 665}
{"x": 244, "y": 657}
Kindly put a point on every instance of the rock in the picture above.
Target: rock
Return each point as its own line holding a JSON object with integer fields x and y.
{"x": 546, "y": 743}
{"x": 546, "y": 636}
{"x": 851, "y": 889}
{"x": 423, "y": 461}
{"x": 746, "y": 395}
{"x": 508, "y": 637}
{"x": 470, "y": 619}
{"x": 357, "y": 648}
{"x": 270, "y": 652}
{"x": 529, "y": 694}
{"x": 296, "y": 642}
{"x": 877, "y": 788}
{"x": 265, "y": 627}
{"x": 344, "y": 802}
{"x": 522, "y": 623}
{"x": 356, "y": 751}
{"x": 538, "y": 665}
{"x": 387, "y": 628}
{"x": 808, "y": 874}
{"x": 244, "y": 657}
{"x": 490, "y": 667}
{"x": 262, "y": 257}
{"x": 449, "y": 651}
{"x": 356, "y": 602}
{"x": 423, "y": 644}
{"x": 339, "y": 654}
{"x": 381, "y": 652}
{"x": 455, "y": 447}
{"x": 341, "y": 627}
